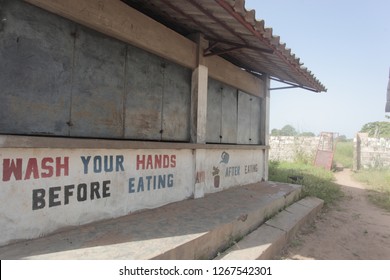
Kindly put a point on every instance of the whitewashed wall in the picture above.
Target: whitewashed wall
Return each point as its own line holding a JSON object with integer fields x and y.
{"x": 43, "y": 190}
{"x": 225, "y": 169}
{"x": 46, "y": 189}
{"x": 286, "y": 148}
{"x": 371, "y": 152}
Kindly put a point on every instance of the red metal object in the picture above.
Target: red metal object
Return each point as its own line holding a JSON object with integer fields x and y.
{"x": 325, "y": 150}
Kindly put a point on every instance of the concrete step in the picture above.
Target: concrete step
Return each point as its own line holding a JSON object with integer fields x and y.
{"x": 268, "y": 240}
{"x": 190, "y": 229}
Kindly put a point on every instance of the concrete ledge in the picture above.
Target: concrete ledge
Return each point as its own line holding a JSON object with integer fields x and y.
{"x": 262, "y": 242}
{"x": 273, "y": 235}
{"x": 21, "y": 141}
{"x": 191, "y": 229}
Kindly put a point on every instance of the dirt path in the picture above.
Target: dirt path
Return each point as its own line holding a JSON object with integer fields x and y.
{"x": 354, "y": 229}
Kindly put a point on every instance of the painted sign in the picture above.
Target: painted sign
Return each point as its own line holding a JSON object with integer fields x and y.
{"x": 233, "y": 168}
{"x": 42, "y": 190}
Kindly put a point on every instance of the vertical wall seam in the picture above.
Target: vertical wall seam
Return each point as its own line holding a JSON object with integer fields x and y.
{"x": 2, "y": 17}
{"x": 250, "y": 120}
{"x": 163, "y": 68}
{"x": 74, "y": 35}
{"x": 221, "y": 114}
{"x": 237, "y": 95}
{"x": 124, "y": 97}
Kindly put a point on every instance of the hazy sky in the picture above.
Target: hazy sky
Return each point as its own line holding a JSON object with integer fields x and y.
{"x": 346, "y": 45}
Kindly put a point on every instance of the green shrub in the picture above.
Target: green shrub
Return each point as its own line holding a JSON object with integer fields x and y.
{"x": 379, "y": 186}
{"x": 302, "y": 157}
{"x": 344, "y": 154}
{"x": 316, "y": 181}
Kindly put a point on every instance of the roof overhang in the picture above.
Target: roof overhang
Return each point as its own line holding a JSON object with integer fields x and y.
{"x": 234, "y": 34}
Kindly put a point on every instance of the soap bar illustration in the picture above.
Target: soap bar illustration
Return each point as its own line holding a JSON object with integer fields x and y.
{"x": 216, "y": 176}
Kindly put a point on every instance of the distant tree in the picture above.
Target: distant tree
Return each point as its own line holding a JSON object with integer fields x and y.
{"x": 307, "y": 134}
{"x": 288, "y": 130}
{"x": 377, "y": 129}
{"x": 275, "y": 132}
{"x": 342, "y": 138}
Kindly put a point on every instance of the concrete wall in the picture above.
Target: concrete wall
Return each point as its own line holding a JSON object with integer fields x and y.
{"x": 60, "y": 78}
{"x": 46, "y": 189}
{"x": 371, "y": 152}
{"x": 225, "y": 169}
{"x": 288, "y": 148}
{"x": 43, "y": 190}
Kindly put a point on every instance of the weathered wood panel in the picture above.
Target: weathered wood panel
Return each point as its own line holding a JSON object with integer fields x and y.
{"x": 176, "y": 103}
{"x": 256, "y": 120}
{"x": 249, "y": 119}
{"x": 221, "y": 113}
{"x": 36, "y": 58}
{"x": 144, "y": 91}
{"x": 229, "y": 115}
{"x": 244, "y": 118}
{"x": 98, "y": 85}
{"x": 158, "y": 96}
{"x": 214, "y": 115}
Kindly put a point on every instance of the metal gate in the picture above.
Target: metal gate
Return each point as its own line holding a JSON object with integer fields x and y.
{"x": 325, "y": 150}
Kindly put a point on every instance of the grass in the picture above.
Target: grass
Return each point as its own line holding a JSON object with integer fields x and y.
{"x": 316, "y": 181}
{"x": 378, "y": 181}
{"x": 320, "y": 183}
{"x": 344, "y": 154}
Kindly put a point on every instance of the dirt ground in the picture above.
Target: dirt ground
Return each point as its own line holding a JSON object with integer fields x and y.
{"x": 353, "y": 229}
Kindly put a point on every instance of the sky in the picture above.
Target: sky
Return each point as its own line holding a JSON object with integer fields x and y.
{"x": 346, "y": 45}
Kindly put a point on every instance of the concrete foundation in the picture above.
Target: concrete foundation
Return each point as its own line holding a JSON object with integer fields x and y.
{"x": 191, "y": 229}
{"x": 268, "y": 240}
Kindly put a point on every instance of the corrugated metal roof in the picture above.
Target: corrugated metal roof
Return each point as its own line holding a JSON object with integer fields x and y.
{"x": 233, "y": 33}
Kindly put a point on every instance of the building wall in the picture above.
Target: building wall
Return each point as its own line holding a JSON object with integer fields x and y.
{"x": 59, "y": 78}
{"x": 371, "y": 152}
{"x": 229, "y": 168}
{"x": 45, "y": 189}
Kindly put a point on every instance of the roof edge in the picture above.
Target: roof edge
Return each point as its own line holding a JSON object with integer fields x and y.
{"x": 248, "y": 19}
